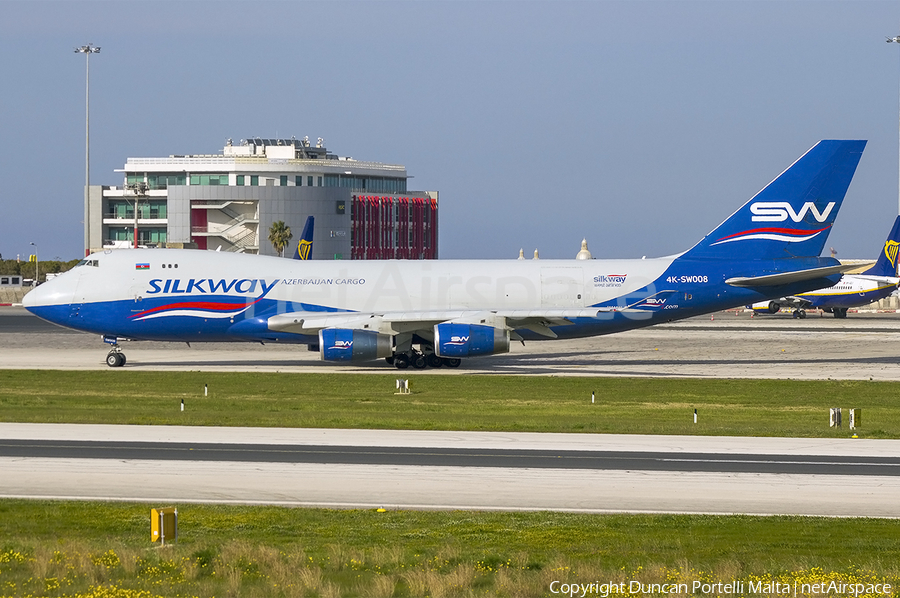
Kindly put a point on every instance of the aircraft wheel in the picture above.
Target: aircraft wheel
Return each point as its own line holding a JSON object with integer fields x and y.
{"x": 801, "y": 314}
{"x": 401, "y": 361}
{"x": 840, "y": 312}
{"x": 115, "y": 360}
{"x": 418, "y": 361}
{"x": 452, "y": 362}
{"x": 389, "y": 360}
{"x": 434, "y": 361}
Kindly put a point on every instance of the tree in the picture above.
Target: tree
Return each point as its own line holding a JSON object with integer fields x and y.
{"x": 280, "y": 235}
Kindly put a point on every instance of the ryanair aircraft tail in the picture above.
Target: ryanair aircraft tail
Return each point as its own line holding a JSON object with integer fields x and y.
{"x": 304, "y": 246}
{"x": 887, "y": 260}
{"x": 792, "y": 215}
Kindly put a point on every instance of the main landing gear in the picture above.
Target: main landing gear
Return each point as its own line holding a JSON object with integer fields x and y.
{"x": 799, "y": 313}
{"x": 420, "y": 360}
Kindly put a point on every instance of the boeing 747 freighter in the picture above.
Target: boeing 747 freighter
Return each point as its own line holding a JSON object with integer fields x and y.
{"x": 438, "y": 312}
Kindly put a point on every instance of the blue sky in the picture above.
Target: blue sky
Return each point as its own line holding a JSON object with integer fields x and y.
{"x": 638, "y": 125}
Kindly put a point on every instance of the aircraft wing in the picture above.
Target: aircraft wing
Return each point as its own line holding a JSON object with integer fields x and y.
{"x": 536, "y": 320}
{"x": 772, "y": 280}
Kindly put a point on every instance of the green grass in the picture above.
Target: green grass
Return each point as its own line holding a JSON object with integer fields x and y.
{"x": 499, "y": 403}
{"x": 255, "y": 551}
{"x": 102, "y": 550}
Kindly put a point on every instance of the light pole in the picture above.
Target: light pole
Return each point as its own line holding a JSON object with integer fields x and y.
{"x": 87, "y": 51}
{"x": 139, "y": 190}
{"x": 896, "y": 40}
{"x": 37, "y": 272}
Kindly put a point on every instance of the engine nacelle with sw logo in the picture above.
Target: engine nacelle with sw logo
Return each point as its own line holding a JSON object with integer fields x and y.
{"x": 340, "y": 344}
{"x": 467, "y": 340}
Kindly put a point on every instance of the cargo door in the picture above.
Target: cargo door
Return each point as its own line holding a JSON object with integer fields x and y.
{"x": 562, "y": 287}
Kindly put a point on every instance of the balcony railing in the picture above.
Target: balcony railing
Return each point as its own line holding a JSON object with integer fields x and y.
{"x": 130, "y": 216}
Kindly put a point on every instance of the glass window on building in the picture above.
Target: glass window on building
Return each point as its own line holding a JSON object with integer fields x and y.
{"x": 132, "y": 178}
{"x": 209, "y": 179}
{"x": 120, "y": 209}
{"x": 239, "y": 180}
{"x": 319, "y": 182}
{"x": 298, "y": 181}
{"x": 331, "y": 180}
{"x": 164, "y": 181}
{"x": 309, "y": 181}
{"x": 283, "y": 180}
{"x": 254, "y": 180}
{"x": 120, "y": 234}
{"x": 148, "y": 236}
{"x": 156, "y": 209}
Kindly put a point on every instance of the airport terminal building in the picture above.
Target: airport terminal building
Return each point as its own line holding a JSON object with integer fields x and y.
{"x": 229, "y": 201}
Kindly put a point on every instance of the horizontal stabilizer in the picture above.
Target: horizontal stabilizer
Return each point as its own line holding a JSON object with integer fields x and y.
{"x": 774, "y": 280}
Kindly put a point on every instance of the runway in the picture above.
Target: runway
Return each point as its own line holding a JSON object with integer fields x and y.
{"x": 452, "y": 470}
{"x": 452, "y": 457}
{"x": 725, "y": 345}
{"x": 467, "y": 470}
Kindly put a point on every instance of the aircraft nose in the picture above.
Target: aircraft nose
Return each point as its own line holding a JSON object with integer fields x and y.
{"x": 52, "y": 300}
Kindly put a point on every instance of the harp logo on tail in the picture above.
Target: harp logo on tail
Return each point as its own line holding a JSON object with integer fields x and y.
{"x": 890, "y": 252}
{"x": 304, "y": 248}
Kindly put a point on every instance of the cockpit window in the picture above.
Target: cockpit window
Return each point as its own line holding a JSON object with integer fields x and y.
{"x": 86, "y": 262}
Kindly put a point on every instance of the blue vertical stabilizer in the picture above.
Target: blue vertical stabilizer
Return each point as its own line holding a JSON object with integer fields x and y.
{"x": 887, "y": 259}
{"x": 792, "y": 215}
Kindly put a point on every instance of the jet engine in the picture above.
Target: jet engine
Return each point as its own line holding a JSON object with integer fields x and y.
{"x": 341, "y": 344}
{"x": 467, "y": 340}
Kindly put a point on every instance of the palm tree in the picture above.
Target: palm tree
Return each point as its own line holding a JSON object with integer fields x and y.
{"x": 280, "y": 235}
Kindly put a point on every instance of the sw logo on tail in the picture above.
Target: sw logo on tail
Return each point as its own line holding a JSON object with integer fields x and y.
{"x": 778, "y": 211}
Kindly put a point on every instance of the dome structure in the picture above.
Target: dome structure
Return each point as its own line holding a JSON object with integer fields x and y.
{"x": 585, "y": 253}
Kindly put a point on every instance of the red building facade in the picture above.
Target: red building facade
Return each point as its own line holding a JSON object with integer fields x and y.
{"x": 387, "y": 227}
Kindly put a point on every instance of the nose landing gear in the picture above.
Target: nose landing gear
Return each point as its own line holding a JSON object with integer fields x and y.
{"x": 115, "y": 358}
